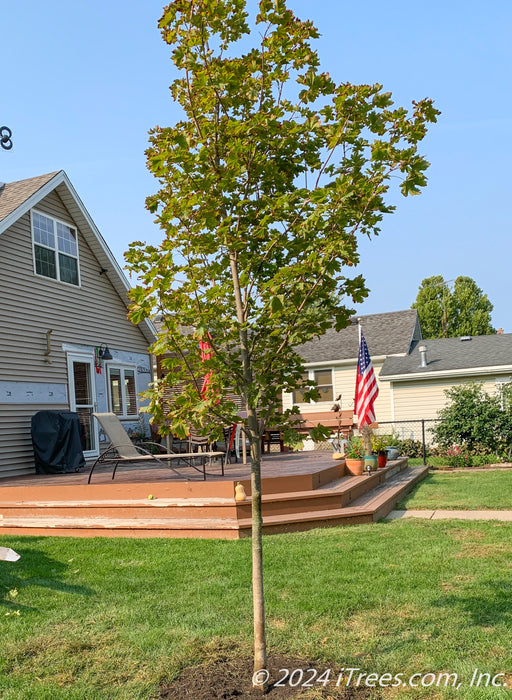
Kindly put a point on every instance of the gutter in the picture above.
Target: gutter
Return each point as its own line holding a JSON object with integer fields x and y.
{"x": 341, "y": 363}
{"x": 470, "y": 372}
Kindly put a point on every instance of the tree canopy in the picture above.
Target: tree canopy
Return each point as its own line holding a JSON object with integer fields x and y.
{"x": 447, "y": 312}
{"x": 265, "y": 185}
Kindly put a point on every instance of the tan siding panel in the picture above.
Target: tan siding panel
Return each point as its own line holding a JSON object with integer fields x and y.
{"x": 383, "y": 402}
{"x": 89, "y": 315}
{"x": 423, "y": 399}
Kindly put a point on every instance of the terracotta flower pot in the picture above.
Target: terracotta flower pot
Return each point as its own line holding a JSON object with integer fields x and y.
{"x": 355, "y": 466}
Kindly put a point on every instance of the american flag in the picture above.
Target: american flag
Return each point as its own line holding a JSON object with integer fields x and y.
{"x": 366, "y": 386}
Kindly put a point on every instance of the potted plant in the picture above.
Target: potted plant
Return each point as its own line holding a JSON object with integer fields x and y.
{"x": 379, "y": 444}
{"x": 336, "y": 440}
{"x": 354, "y": 455}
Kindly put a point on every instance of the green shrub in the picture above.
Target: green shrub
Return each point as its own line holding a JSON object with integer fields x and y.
{"x": 483, "y": 459}
{"x": 409, "y": 447}
{"x": 475, "y": 420}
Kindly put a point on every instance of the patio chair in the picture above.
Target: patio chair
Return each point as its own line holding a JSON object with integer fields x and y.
{"x": 197, "y": 443}
{"x": 272, "y": 437}
{"x": 122, "y": 450}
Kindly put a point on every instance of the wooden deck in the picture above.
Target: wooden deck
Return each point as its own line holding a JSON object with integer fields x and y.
{"x": 300, "y": 491}
{"x": 273, "y": 464}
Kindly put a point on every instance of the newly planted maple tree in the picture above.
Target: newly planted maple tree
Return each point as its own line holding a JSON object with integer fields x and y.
{"x": 265, "y": 185}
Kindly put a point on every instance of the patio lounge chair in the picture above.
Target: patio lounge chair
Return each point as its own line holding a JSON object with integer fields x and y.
{"x": 123, "y": 451}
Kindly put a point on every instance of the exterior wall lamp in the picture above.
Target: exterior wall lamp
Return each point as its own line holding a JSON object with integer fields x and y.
{"x": 105, "y": 353}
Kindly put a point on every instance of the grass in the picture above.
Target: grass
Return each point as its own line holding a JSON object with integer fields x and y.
{"x": 431, "y": 461}
{"x": 441, "y": 461}
{"x": 98, "y": 619}
{"x": 463, "y": 490}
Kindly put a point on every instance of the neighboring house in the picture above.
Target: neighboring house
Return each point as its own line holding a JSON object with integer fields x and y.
{"x": 331, "y": 361}
{"x": 62, "y": 297}
{"x": 417, "y": 382}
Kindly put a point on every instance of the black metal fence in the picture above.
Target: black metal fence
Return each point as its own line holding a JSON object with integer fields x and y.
{"x": 413, "y": 437}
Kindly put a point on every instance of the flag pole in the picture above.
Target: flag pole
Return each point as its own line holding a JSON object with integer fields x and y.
{"x": 358, "y": 350}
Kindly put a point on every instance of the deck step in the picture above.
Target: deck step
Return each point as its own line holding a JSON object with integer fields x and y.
{"x": 69, "y": 526}
{"x": 370, "y": 507}
{"x": 350, "y": 500}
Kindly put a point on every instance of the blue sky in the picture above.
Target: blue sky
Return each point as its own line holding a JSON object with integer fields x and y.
{"x": 84, "y": 81}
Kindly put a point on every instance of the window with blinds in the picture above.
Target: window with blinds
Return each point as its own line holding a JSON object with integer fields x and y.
{"x": 122, "y": 391}
{"x": 323, "y": 380}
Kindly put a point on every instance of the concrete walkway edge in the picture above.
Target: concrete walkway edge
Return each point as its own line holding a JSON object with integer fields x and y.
{"x": 505, "y": 515}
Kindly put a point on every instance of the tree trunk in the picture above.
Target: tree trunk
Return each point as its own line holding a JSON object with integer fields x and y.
{"x": 258, "y": 597}
{"x": 260, "y": 643}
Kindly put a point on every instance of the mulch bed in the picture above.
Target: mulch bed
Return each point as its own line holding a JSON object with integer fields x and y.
{"x": 231, "y": 679}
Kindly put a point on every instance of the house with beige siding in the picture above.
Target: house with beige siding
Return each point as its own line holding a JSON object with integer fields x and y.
{"x": 412, "y": 373}
{"x": 331, "y": 361}
{"x": 63, "y": 298}
{"x": 417, "y": 382}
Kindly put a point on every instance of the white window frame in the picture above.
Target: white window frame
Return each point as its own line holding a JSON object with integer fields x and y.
{"x": 55, "y": 249}
{"x": 311, "y": 377}
{"x": 122, "y": 368}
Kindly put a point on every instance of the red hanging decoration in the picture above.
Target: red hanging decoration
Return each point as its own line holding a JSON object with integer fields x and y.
{"x": 97, "y": 360}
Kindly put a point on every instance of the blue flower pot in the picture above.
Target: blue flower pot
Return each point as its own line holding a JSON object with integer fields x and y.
{"x": 370, "y": 461}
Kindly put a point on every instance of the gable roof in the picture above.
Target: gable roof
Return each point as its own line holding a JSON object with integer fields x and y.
{"x": 18, "y": 198}
{"x": 14, "y": 194}
{"x": 385, "y": 334}
{"x": 453, "y": 356}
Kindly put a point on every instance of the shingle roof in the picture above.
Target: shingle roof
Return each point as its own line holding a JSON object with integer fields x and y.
{"x": 13, "y": 194}
{"x": 452, "y": 354}
{"x": 385, "y": 334}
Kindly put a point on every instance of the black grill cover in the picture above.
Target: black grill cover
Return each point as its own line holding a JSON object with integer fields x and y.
{"x": 56, "y": 441}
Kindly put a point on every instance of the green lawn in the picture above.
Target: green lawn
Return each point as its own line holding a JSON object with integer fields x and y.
{"x": 463, "y": 490}
{"x": 111, "y": 618}
{"x": 431, "y": 461}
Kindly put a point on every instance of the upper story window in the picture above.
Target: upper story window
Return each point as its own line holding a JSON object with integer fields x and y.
{"x": 55, "y": 249}
{"x": 323, "y": 379}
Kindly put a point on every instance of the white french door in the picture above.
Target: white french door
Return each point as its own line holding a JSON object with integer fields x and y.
{"x": 82, "y": 400}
